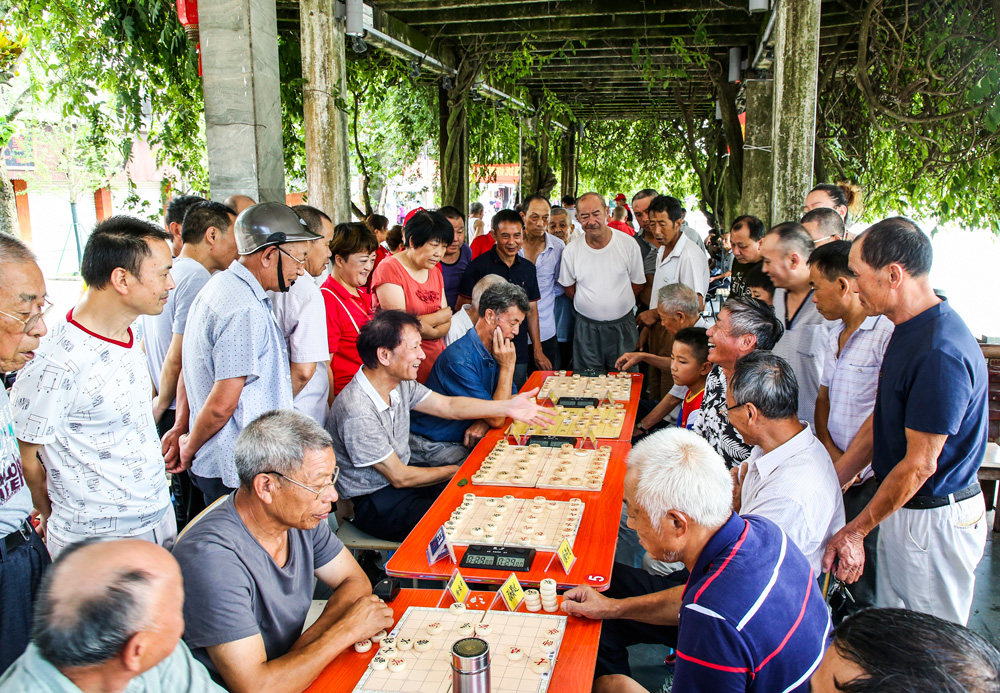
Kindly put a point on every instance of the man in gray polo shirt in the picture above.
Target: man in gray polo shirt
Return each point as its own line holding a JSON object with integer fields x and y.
{"x": 370, "y": 426}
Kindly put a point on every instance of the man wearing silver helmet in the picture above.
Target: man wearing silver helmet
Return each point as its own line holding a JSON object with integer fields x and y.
{"x": 235, "y": 363}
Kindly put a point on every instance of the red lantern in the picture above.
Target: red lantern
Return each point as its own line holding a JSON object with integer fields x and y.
{"x": 187, "y": 13}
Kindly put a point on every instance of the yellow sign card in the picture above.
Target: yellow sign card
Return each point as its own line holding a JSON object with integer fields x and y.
{"x": 512, "y": 593}
{"x": 458, "y": 587}
{"x": 566, "y": 555}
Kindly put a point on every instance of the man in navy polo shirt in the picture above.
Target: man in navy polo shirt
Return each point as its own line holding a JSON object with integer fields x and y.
{"x": 479, "y": 365}
{"x": 746, "y": 615}
{"x": 927, "y": 439}
{"x": 503, "y": 260}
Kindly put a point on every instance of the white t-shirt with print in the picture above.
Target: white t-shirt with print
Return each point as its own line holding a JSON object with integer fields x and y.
{"x": 88, "y": 401}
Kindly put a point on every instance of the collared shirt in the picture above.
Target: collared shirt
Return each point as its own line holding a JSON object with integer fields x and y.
{"x": 346, "y": 314}
{"x": 31, "y": 673}
{"x": 301, "y": 316}
{"x": 934, "y": 381}
{"x": 366, "y": 431}
{"x": 752, "y": 619}
{"x": 803, "y": 345}
{"x": 547, "y": 271}
{"x": 464, "y": 369}
{"x": 15, "y": 497}
{"x": 795, "y": 486}
{"x": 232, "y": 333}
{"x": 685, "y": 264}
{"x": 714, "y": 425}
{"x": 852, "y": 377}
{"x": 521, "y": 272}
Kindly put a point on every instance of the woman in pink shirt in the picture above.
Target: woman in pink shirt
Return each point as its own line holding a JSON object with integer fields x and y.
{"x": 348, "y": 302}
{"x": 412, "y": 281}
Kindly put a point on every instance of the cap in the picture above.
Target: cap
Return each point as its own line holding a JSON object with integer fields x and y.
{"x": 410, "y": 214}
{"x": 267, "y": 224}
{"x": 621, "y": 196}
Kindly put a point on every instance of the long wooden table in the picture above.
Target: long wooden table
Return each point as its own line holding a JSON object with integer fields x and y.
{"x": 573, "y": 673}
{"x": 595, "y": 540}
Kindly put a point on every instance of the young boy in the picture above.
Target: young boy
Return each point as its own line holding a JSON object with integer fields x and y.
{"x": 760, "y": 285}
{"x": 689, "y": 366}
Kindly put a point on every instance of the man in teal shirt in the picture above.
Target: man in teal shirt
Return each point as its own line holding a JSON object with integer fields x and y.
{"x": 117, "y": 631}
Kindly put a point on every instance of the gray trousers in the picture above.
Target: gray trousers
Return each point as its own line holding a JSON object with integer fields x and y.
{"x": 425, "y": 452}
{"x": 597, "y": 344}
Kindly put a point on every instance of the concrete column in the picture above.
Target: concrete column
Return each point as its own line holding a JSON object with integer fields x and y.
{"x": 568, "y": 175}
{"x": 757, "y": 150}
{"x": 796, "y": 73}
{"x": 328, "y": 156}
{"x": 454, "y": 165}
{"x": 239, "y": 57}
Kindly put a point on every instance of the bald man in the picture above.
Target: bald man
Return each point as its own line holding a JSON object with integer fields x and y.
{"x": 118, "y": 629}
{"x": 239, "y": 202}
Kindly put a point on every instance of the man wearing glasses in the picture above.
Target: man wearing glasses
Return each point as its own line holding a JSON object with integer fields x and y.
{"x": 235, "y": 362}
{"x": 249, "y": 564}
{"x": 23, "y": 558}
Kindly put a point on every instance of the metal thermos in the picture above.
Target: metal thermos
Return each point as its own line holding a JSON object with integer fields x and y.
{"x": 470, "y": 666}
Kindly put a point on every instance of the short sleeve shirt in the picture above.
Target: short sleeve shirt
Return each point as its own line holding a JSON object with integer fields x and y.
{"x": 685, "y": 264}
{"x": 547, "y": 271}
{"x": 87, "y": 401}
{"x": 190, "y": 276}
{"x": 803, "y": 345}
{"x": 452, "y": 274}
{"x": 648, "y": 252}
{"x": 603, "y": 277}
{"x": 301, "y": 316}
{"x": 346, "y": 314}
{"x": 366, "y": 431}
{"x": 521, "y": 272}
{"x": 233, "y": 588}
{"x": 233, "y": 334}
{"x": 934, "y": 381}
{"x": 714, "y": 425}
{"x": 15, "y": 497}
{"x": 738, "y": 285}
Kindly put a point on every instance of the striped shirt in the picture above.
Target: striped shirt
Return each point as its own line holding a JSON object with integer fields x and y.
{"x": 752, "y": 617}
{"x": 852, "y": 377}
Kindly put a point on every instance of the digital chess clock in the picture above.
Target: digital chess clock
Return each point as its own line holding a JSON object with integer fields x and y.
{"x": 551, "y": 441}
{"x": 498, "y": 558}
{"x": 577, "y": 402}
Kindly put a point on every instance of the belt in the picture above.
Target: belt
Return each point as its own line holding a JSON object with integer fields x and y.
{"x": 927, "y": 502}
{"x": 17, "y": 538}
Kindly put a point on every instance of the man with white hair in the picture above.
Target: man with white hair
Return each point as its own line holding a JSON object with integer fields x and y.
{"x": 465, "y": 319}
{"x": 748, "y": 617}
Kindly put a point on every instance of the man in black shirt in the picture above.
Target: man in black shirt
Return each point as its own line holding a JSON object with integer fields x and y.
{"x": 745, "y": 236}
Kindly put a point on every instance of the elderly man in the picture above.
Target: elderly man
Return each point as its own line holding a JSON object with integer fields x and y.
{"x": 902, "y": 650}
{"x": 743, "y": 324}
{"x": 786, "y": 249}
{"x": 545, "y": 251}
{"x": 118, "y": 630}
{"x": 825, "y": 225}
{"x": 24, "y": 559}
{"x": 479, "y": 365}
{"x": 250, "y": 561}
{"x": 602, "y": 274}
{"x": 235, "y": 363}
{"x": 370, "y": 425}
{"x": 789, "y": 478}
{"x": 648, "y": 242}
{"x": 239, "y": 202}
{"x": 745, "y": 236}
{"x": 928, "y": 436}
{"x": 301, "y": 315}
{"x": 465, "y": 319}
{"x": 678, "y": 307}
{"x": 84, "y": 408}
{"x": 745, "y": 615}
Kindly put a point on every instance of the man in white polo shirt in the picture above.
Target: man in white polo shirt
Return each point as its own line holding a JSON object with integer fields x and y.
{"x": 602, "y": 275}
{"x": 83, "y": 406}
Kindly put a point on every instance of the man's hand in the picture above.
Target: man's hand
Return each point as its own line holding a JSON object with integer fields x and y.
{"x": 503, "y": 350}
{"x": 43, "y": 523}
{"x": 475, "y": 433}
{"x": 648, "y": 318}
{"x": 524, "y": 408}
{"x": 541, "y": 360}
{"x": 170, "y": 446}
{"x": 629, "y": 359}
{"x": 186, "y": 451}
{"x": 847, "y": 550}
{"x": 366, "y": 617}
{"x": 586, "y": 602}
{"x": 739, "y": 473}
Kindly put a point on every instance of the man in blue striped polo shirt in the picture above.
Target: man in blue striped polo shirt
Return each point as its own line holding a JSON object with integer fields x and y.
{"x": 750, "y": 618}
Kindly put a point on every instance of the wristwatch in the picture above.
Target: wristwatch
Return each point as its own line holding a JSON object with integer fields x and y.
{"x": 641, "y": 427}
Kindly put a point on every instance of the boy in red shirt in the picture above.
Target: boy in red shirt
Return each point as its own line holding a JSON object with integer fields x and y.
{"x": 689, "y": 367}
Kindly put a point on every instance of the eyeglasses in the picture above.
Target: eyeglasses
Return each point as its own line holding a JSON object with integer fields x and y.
{"x": 285, "y": 252}
{"x": 737, "y": 406}
{"x": 30, "y": 323}
{"x": 325, "y": 487}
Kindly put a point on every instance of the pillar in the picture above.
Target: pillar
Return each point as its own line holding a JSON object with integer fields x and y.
{"x": 757, "y": 150}
{"x": 454, "y": 149}
{"x": 325, "y": 129}
{"x": 793, "y": 134}
{"x": 569, "y": 159}
{"x": 239, "y": 57}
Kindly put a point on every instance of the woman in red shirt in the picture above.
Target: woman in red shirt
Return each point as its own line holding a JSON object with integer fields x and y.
{"x": 348, "y": 302}
{"x": 412, "y": 281}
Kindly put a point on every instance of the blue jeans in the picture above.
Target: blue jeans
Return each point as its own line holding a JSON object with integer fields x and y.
{"x": 21, "y": 573}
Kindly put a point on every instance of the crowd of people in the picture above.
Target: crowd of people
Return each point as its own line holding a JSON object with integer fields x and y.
{"x": 255, "y": 366}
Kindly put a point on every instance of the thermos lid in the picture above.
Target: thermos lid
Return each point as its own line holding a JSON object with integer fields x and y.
{"x": 470, "y": 655}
